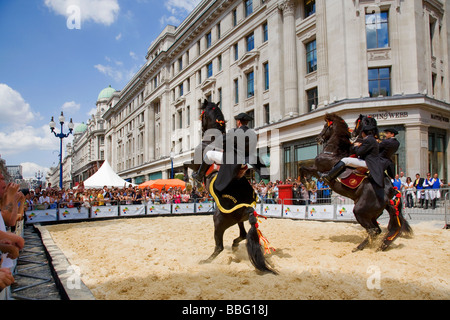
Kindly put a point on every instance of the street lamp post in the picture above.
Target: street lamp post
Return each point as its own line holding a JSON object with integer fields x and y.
{"x": 61, "y": 136}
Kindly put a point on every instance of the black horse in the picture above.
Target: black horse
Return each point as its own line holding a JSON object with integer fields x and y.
{"x": 212, "y": 118}
{"x": 368, "y": 204}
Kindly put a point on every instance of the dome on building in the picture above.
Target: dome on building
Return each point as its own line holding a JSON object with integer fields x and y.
{"x": 80, "y": 128}
{"x": 106, "y": 93}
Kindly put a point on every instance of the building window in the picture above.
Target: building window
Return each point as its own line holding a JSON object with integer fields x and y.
{"x": 250, "y": 84}
{"x": 218, "y": 31}
{"x": 219, "y": 93}
{"x": 248, "y": 7}
{"x": 208, "y": 40}
{"x": 377, "y": 30}
{"x": 437, "y": 152}
{"x": 236, "y": 52}
{"x": 210, "y": 69}
{"x": 311, "y": 56}
{"x": 236, "y": 91}
{"x": 188, "y": 116}
{"x": 180, "y": 87}
{"x": 287, "y": 163}
{"x": 267, "y": 113}
{"x": 180, "y": 64}
{"x": 250, "y": 40}
{"x": 313, "y": 99}
{"x": 310, "y": 8}
{"x": 180, "y": 119}
{"x": 251, "y": 123}
{"x": 266, "y": 76}
{"x": 380, "y": 82}
{"x": 199, "y": 76}
{"x": 234, "y": 17}
{"x": 265, "y": 32}
{"x": 219, "y": 62}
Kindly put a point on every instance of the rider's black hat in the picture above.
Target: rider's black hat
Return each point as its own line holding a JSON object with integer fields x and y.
{"x": 391, "y": 130}
{"x": 368, "y": 128}
{"x": 243, "y": 116}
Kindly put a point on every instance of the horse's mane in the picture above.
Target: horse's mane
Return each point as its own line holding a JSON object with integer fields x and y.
{"x": 339, "y": 143}
{"x": 366, "y": 120}
{"x": 214, "y": 116}
{"x": 340, "y": 126}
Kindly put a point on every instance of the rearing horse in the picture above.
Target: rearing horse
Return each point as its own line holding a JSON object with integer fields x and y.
{"x": 369, "y": 205}
{"x": 212, "y": 118}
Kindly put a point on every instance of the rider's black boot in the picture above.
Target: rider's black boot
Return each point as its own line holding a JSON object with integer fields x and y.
{"x": 334, "y": 172}
{"x": 200, "y": 174}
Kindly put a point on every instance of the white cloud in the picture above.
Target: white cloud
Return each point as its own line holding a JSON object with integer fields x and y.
{"x": 181, "y": 6}
{"x": 110, "y": 71}
{"x": 99, "y": 11}
{"x": 29, "y": 170}
{"x": 91, "y": 112}
{"x": 26, "y": 139}
{"x": 14, "y": 110}
{"x": 178, "y": 10}
{"x": 71, "y": 107}
{"x": 119, "y": 36}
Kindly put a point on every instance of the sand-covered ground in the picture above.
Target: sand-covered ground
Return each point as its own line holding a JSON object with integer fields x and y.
{"x": 158, "y": 258}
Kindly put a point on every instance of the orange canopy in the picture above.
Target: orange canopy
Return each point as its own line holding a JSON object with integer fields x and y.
{"x": 163, "y": 183}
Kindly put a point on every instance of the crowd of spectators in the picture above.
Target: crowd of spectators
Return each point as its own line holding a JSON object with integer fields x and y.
{"x": 312, "y": 191}
{"x": 44, "y": 198}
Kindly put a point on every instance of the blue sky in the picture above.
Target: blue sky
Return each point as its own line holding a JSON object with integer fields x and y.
{"x": 47, "y": 67}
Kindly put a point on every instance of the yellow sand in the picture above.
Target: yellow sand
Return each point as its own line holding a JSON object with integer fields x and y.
{"x": 157, "y": 258}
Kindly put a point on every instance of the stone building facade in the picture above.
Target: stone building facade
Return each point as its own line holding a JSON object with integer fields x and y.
{"x": 287, "y": 63}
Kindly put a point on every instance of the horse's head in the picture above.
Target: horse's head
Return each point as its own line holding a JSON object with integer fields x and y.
{"x": 362, "y": 122}
{"x": 212, "y": 117}
{"x": 334, "y": 125}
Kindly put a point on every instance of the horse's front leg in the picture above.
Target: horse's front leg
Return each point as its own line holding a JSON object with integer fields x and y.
{"x": 221, "y": 223}
{"x": 218, "y": 237}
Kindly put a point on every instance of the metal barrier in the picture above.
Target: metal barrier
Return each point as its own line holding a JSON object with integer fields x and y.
{"x": 84, "y": 211}
{"x": 334, "y": 208}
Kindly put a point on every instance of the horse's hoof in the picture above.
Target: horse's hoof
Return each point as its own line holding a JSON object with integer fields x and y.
{"x": 204, "y": 261}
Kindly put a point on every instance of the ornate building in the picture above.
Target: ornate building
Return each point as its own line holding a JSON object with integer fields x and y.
{"x": 287, "y": 63}
{"x": 89, "y": 141}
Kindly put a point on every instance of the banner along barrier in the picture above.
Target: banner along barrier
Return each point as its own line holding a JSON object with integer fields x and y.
{"x": 294, "y": 211}
{"x": 73, "y": 213}
{"x": 155, "y": 209}
{"x": 320, "y": 212}
{"x": 104, "y": 211}
{"x": 272, "y": 210}
{"x": 43, "y": 215}
{"x": 344, "y": 212}
{"x": 180, "y": 208}
{"x": 132, "y": 210}
{"x": 204, "y": 207}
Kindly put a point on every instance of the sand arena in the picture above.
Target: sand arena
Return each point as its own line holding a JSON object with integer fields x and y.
{"x": 158, "y": 258}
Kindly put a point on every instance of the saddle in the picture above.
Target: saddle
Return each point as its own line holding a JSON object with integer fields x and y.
{"x": 215, "y": 168}
{"x": 353, "y": 177}
{"x": 239, "y": 193}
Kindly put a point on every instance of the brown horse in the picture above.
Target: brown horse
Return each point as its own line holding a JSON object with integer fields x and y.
{"x": 212, "y": 118}
{"x": 370, "y": 200}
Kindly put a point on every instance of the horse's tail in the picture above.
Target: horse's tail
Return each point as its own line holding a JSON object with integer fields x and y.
{"x": 254, "y": 249}
{"x": 405, "y": 227}
{"x": 397, "y": 223}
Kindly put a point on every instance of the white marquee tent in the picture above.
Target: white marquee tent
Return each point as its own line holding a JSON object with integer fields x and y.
{"x": 105, "y": 176}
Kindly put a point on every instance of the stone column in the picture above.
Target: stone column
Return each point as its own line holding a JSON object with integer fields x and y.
{"x": 416, "y": 146}
{"x": 149, "y": 145}
{"x": 322, "y": 52}
{"x": 290, "y": 59}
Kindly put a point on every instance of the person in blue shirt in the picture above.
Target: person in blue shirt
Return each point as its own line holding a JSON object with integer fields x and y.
{"x": 432, "y": 193}
{"x": 397, "y": 183}
{"x": 418, "y": 184}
